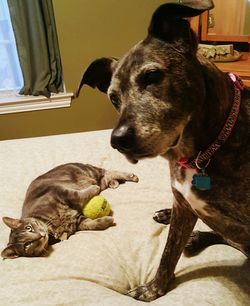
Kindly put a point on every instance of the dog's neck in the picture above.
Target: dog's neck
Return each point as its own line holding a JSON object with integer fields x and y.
{"x": 208, "y": 121}
{"x": 214, "y": 111}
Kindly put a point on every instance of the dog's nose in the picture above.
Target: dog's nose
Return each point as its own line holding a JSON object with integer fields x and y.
{"x": 123, "y": 138}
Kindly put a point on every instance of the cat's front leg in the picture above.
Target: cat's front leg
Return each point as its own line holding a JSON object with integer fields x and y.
{"x": 86, "y": 194}
{"x": 112, "y": 179}
{"x": 76, "y": 199}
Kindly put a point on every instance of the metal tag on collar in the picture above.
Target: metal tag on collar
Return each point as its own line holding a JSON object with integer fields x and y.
{"x": 201, "y": 180}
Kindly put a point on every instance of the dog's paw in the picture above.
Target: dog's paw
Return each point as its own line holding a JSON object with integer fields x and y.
{"x": 147, "y": 292}
{"x": 163, "y": 216}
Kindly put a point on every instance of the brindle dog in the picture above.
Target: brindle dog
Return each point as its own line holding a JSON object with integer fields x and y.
{"x": 174, "y": 103}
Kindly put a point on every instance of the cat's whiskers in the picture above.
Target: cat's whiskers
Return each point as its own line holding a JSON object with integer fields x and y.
{"x": 44, "y": 251}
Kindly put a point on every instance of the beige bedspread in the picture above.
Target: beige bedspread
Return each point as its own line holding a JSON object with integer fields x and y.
{"x": 98, "y": 268}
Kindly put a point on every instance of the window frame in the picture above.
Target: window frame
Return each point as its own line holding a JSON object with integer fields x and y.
{"x": 20, "y": 103}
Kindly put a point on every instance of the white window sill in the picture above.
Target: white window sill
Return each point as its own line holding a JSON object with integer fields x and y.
{"x": 18, "y": 103}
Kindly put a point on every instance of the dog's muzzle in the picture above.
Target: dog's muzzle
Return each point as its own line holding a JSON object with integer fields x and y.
{"x": 123, "y": 139}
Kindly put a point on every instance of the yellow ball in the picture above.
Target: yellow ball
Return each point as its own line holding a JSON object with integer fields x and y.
{"x": 97, "y": 207}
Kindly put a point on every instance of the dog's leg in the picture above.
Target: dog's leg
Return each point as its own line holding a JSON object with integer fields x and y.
{"x": 198, "y": 241}
{"x": 163, "y": 216}
{"x": 182, "y": 223}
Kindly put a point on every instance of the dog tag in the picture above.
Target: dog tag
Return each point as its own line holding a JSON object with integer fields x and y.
{"x": 201, "y": 181}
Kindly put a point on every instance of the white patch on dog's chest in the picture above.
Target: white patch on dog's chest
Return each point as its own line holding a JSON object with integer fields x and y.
{"x": 185, "y": 189}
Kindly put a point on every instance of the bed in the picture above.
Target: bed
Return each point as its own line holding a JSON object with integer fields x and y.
{"x": 99, "y": 267}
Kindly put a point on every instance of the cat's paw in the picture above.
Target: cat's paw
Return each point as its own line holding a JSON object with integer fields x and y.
{"x": 115, "y": 178}
{"x": 104, "y": 222}
{"x": 64, "y": 236}
{"x": 96, "y": 224}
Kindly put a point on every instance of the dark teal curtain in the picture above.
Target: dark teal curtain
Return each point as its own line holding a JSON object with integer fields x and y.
{"x": 34, "y": 27}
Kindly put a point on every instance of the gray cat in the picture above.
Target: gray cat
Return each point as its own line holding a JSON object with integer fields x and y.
{"x": 52, "y": 209}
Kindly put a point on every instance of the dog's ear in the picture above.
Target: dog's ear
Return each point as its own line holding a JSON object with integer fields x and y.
{"x": 168, "y": 22}
{"x": 98, "y": 74}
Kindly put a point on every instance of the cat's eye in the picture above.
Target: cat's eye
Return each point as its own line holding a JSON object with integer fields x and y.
{"x": 28, "y": 228}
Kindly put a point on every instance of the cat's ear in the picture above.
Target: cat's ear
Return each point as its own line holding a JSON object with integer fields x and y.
{"x": 12, "y": 223}
{"x": 9, "y": 252}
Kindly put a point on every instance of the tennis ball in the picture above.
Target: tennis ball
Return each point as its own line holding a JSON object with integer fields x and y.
{"x": 96, "y": 207}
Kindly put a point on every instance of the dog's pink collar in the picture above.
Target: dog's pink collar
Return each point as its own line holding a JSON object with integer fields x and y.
{"x": 204, "y": 157}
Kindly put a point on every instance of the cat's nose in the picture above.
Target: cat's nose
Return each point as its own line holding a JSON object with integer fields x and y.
{"x": 43, "y": 234}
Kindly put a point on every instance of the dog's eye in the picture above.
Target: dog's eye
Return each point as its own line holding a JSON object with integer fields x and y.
{"x": 151, "y": 77}
{"x": 115, "y": 100}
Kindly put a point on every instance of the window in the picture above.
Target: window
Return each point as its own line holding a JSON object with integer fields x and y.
{"x": 11, "y": 79}
{"x": 11, "y": 76}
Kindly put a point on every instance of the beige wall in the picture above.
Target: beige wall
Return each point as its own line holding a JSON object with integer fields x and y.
{"x": 87, "y": 29}
{"x": 247, "y": 20}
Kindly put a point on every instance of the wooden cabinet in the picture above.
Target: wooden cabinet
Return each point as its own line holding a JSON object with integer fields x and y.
{"x": 228, "y": 22}
{"x": 240, "y": 67}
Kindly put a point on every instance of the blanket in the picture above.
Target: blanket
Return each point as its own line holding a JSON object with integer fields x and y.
{"x": 95, "y": 268}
